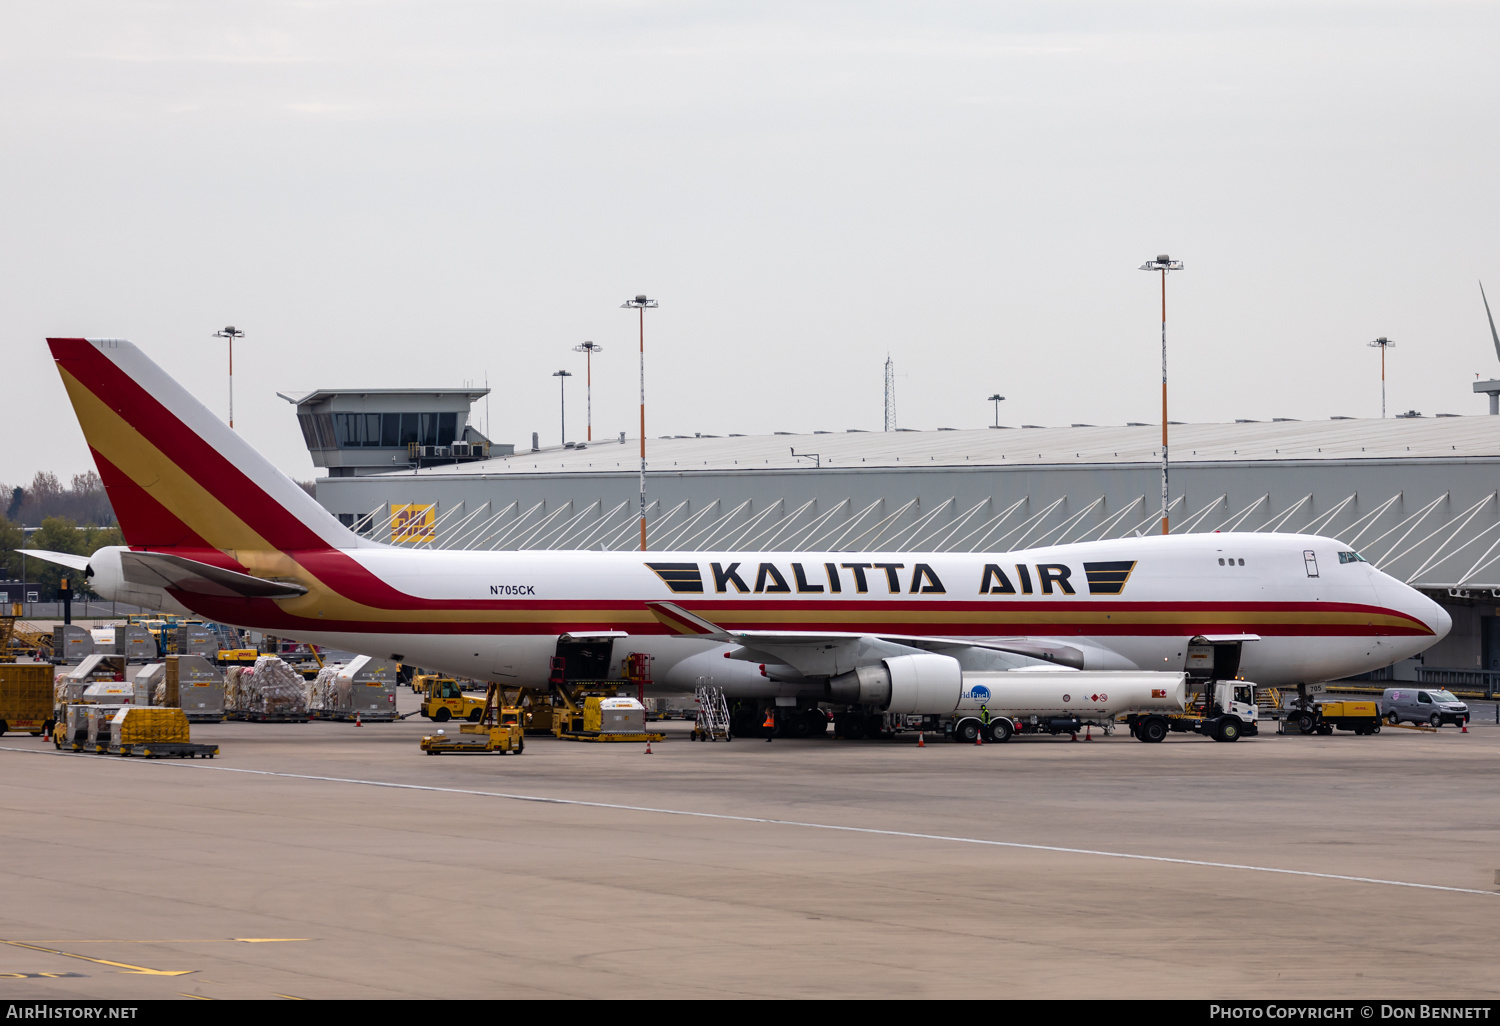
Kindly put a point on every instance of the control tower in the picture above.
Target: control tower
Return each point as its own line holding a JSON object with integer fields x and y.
{"x": 355, "y": 432}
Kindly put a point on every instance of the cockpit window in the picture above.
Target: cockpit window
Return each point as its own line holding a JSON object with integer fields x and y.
{"x": 1351, "y": 557}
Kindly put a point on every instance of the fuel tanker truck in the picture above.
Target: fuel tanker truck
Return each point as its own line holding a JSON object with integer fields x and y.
{"x": 931, "y": 692}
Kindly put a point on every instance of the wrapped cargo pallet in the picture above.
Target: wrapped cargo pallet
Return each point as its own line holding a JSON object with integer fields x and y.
{"x": 272, "y": 690}
{"x": 320, "y": 690}
{"x": 136, "y": 726}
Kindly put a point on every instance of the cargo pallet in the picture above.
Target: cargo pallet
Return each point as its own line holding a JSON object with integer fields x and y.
{"x": 250, "y": 717}
{"x": 348, "y": 717}
{"x": 163, "y": 750}
{"x": 599, "y": 735}
{"x": 148, "y": 750}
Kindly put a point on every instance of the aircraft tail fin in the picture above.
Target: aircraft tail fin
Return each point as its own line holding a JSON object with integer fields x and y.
{"x": 178, "y": 476}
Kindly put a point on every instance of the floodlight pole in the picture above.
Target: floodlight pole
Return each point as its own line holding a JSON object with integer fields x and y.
{"x": 1382, "y": 343}
{"x": 231, "y": 333}
{"x": 1163, "y": 263}
{"x": 590, "y": 348}
{"x": 997, "y": 399}
{"x": 641, "y": 303}
{"x": 562, "y": 377}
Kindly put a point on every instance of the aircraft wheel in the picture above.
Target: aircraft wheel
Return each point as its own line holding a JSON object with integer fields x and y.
{"x": 798, "y": 726}
{"x": 817, "y": 723}
{"x": 442, "y": 716}
{"x": 854, "y": 728}
{"x": 1306, "y": 722}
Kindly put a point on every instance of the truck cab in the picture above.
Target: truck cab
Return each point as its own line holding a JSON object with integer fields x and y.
{"x": 1224, "y": 710}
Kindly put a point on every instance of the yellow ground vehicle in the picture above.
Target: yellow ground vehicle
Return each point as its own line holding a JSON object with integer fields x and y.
{"x": 446, "y": 702}
{"x": 26, "y": 698}
{"x": 499, "y": 731}
{"x": 422, "y": 683}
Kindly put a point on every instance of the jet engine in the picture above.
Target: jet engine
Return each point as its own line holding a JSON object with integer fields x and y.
{"x": 924, "y": 683}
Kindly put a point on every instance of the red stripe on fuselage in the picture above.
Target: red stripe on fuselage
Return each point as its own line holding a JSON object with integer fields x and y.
{"x": 265, "y": 614}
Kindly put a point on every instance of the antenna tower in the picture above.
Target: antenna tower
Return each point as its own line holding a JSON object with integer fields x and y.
{"x": 890, "y": 393}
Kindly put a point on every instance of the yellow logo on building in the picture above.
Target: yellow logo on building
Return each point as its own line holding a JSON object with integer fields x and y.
{"x": 413, "y": 522}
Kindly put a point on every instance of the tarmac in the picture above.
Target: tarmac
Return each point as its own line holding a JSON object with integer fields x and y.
{"x": 324, "y": 860}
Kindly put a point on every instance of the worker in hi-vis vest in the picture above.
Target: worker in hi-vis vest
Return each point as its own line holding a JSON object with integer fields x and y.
{"x": 984, "y": 717}
{"x": 770, "y": 724}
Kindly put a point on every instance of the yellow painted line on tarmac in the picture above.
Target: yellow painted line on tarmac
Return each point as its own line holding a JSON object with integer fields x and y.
{"x": 125, "y": 967}
{"x": 289, "y": 997}
{"x": 195, "y": 997}
{"x": 201, "y": 940}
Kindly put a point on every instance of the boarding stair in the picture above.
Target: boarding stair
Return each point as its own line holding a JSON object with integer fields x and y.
{"x": 713, "y": 712}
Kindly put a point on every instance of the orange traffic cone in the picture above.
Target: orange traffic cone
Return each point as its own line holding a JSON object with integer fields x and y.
{"x": 648, "y": 746}
{"x": 1465, "y": 725}
{"x": 920, "y": 742}
{"x": 1073, "y": 736}
{"x": 1088, "y": 732}
{"x": 357, "y": 721}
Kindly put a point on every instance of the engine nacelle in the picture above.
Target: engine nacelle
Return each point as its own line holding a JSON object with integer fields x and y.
{"x": 925, "y": 683}
{"x": 107, "y": 577}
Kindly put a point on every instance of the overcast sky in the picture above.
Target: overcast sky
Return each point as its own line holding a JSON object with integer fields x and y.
{"x": 401, "y": 193}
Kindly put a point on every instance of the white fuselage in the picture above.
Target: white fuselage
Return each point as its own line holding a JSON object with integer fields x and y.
{"x": 499, "y": 615}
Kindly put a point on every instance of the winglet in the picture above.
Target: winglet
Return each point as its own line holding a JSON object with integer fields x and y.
{"x": 680, "y": 620}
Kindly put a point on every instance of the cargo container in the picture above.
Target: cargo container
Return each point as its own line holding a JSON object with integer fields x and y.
{"x": 108, "y": 692}
{"x": 96, "y": 733}
{"x": 193, "y": 684}
{"x": 365, "y": 687}
{"x": 71, "y": 643}
{"x": 145, "y": 681}
{"x": 26, "y": 698}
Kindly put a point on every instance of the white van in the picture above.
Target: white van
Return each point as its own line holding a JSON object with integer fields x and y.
{"x": 1423, "y": 705}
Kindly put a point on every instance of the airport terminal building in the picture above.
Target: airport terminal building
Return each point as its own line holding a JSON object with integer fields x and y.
{"x": 1416, "y": 496}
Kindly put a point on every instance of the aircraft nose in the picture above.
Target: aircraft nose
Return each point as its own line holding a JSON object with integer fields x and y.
{"x": 1412, "y": 602}
{"x": 1440, "y": 622}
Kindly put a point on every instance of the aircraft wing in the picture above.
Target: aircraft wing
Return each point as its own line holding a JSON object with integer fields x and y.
{"x": 66, "y": 559}
{"x": 826, "y": 652}
{"x": 167, "y": 571}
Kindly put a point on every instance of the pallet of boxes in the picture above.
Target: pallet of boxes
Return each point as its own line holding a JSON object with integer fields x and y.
{"x": 269, "y": 692}
{"x": 359, "y": 691}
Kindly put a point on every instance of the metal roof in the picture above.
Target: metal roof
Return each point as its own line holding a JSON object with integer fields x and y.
{"x": 1341, "y": 439}
{"x": 319, "y": 394}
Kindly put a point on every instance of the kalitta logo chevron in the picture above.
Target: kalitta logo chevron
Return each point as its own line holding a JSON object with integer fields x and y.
{"x": 682, "y": 578}
{"x": 896, "y": 578}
